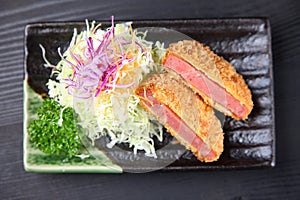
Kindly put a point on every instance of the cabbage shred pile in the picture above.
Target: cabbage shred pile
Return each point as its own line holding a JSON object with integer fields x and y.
{"x": 97, "y": 76}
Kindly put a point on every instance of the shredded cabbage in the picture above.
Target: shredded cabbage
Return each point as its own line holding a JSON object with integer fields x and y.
{"x": 113, "y": 110}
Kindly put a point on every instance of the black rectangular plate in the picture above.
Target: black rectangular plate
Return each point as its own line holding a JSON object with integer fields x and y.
{"x": 244, "y": 42}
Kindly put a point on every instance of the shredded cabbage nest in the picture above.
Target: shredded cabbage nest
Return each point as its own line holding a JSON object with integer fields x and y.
{"x": 117, "y": 114}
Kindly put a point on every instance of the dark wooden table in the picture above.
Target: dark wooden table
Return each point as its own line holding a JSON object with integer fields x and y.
{"x": 281, "y": 182}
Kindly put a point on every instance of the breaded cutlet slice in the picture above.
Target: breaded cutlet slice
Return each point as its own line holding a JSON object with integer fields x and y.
{"x": 210, "y": 76}
{"x": 185, "y": 115}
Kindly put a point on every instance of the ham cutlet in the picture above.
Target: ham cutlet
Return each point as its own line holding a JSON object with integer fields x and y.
{"x": 185, "y": 115}
{"x": 210, "y": 76}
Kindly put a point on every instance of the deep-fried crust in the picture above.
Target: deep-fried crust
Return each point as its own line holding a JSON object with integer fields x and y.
{"x": 216, "y": 68}
{"x": 189, "y": 107}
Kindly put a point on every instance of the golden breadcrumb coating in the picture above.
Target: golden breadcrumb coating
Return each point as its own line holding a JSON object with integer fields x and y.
{"x": 217, "y": 69}
{"x": 189, "y": 107}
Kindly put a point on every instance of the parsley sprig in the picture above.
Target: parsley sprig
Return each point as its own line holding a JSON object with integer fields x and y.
{"x": 51, "y": 136}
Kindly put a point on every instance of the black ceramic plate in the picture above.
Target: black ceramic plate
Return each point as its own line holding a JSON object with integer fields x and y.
{"x": 245, "y": 43}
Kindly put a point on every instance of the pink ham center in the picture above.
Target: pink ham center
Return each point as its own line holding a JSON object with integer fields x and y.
{"x": 204, "y": 84}
{"x": 168, "y": 117}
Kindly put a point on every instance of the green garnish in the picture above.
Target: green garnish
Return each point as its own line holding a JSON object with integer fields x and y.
{"x": 55, "y": 130}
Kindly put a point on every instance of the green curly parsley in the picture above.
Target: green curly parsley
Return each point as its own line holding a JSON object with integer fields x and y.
{"x": 55, "y": 130}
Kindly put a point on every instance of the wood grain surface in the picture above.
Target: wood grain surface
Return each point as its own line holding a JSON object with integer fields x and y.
{"x": 281, "y": 182}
